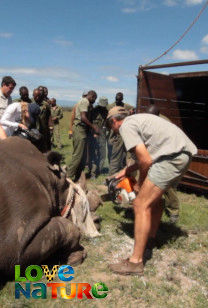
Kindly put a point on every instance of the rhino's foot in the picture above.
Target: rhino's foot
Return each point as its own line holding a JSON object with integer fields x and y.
{"x": 77, "y": 257}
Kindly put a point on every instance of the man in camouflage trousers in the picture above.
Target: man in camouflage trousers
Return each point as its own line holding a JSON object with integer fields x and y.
{"x": 56, "y": 116}
{"x": 116, "y": 148}
{"x": 98, "y": 148}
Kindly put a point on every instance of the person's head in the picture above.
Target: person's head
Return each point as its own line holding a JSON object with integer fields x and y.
{"x": 41, "y": 89}
{"x": 24, "y": 93}
{"x": 153, "y": 109}
{"x": 115, "y": 118}
{"x": 37, "y": 95}
{"x": 91, "y": 96}
{"x": 53, "y": 102}
{"x": 45, "y": 92}
{"x": 103, "y": 102}
{"x": 84, "y": 94}
{"x": 7, "y": 85}
{"x": 119, "y": 97}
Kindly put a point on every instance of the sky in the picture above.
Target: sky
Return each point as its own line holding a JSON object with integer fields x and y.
{"x": 76, "y": 45}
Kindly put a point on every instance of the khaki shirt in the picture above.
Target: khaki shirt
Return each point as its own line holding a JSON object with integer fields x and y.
{"x": 160, "y": 137}
{"x": 56, "y": 112}
{"x": 82, "y": 106}
{"x": 4, "y": 102}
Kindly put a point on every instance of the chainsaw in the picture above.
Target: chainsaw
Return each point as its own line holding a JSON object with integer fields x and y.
{"x": 121, "y": 190}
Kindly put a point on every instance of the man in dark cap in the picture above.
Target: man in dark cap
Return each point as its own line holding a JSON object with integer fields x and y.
{"x": 116, "y": 148}
{"x": 98, "y": 150}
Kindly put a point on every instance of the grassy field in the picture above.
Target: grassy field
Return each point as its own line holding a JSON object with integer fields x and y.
{"x": 176, "y": 275}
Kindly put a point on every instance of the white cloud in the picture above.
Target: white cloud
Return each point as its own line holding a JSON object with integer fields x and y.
{"x": 205, "y": 40}
{"x": 170, "y": 2}
{"x": 6, "y": 34}
{"x": 194, "y": 2}
{"x": 129, "y": 10}
{"x": 204, "y": 49}
{"x": 51, "y": 72}
{"x": 112, "y": 78}
{"x": 64, "y": 43}
{"x": 179, "y": 54}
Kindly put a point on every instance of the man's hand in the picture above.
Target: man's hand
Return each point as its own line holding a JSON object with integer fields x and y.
{"x": 22, "y": 126}
{"x": 96, "y": 129}
{"x": 121, "y": 174}
{"x": 70, "y": 134}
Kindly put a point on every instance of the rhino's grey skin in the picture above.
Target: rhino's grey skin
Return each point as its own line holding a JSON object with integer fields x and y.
{"x": 32, "y": 195}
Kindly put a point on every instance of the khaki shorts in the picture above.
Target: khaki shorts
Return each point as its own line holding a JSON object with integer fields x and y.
{"x": 168, "y": 170}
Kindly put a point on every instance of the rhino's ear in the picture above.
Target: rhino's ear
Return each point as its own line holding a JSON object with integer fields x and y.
{"x": 54, "y": 158}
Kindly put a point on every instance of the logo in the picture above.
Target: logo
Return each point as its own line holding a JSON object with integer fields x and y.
{"x": 29, "y": 287}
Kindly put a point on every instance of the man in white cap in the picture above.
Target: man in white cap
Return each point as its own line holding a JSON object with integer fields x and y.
{"x": 163, "y": 153}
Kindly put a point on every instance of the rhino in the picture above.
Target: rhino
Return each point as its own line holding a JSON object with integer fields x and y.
{"x": 33, "y": 194}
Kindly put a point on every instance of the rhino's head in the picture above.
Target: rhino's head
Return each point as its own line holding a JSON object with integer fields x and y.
{"x": 61, "y": 184}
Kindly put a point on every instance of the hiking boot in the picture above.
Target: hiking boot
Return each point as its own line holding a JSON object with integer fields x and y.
{"x": 125, "y": 267}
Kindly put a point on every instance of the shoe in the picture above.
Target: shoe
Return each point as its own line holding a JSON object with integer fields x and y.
{"x": 125, "y": 267}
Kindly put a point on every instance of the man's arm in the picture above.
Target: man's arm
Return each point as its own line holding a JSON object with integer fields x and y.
{"x": 145, "y": 161}
{"x": 3, "y": 135}
{"x": 86, "y": 121}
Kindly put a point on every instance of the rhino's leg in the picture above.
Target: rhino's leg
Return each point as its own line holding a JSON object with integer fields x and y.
{"x": 59, "y": 237}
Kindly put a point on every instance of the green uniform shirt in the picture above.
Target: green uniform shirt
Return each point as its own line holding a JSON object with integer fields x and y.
{"x": 45, "y": 112}
{"x": 57, "y": 113}
{"x": 99, "y": 115}
{"x": 126, "y": 106}
{"x": 82, "y": 106}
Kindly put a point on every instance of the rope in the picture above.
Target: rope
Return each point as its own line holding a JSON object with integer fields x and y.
{"x": 181, "y": 37}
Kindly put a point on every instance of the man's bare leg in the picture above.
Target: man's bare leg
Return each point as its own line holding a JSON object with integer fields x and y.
{"x": 148, "y": 197}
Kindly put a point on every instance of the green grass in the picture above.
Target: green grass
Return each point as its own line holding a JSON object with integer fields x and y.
{"x": 175, "y": 276}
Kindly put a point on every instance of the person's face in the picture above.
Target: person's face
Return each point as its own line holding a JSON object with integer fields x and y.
{"x": 24, "y": 93}
{"x": 45, "y": 91}
{"x": 92, "y": 98}
{"x": 37, "y": 96}
{"x": 53, "y": 103}
{"x": 7, "y": 90}
{"x": 119, "y": 97}
{"x": 41, "y": 90}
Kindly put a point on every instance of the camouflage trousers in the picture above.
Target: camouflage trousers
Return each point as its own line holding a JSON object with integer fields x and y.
{"x": 78, "y": 158}
{"x": 98, "y": 153}
{"x": 116, "y": 154}
{"x": 56, "y": 138}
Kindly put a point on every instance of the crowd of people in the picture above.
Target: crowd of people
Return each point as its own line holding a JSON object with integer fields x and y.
{"x": 160, "y": 150}
{"x": 38, "y": 116}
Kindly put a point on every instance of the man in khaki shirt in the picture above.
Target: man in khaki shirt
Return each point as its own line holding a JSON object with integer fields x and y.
{"x": 81, "y": 126}
{"x": 163, "y": 153}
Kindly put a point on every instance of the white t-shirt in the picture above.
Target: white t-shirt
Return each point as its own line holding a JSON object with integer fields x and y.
{"x": 160, "y": 137}
{"x": 11, "y": 118}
